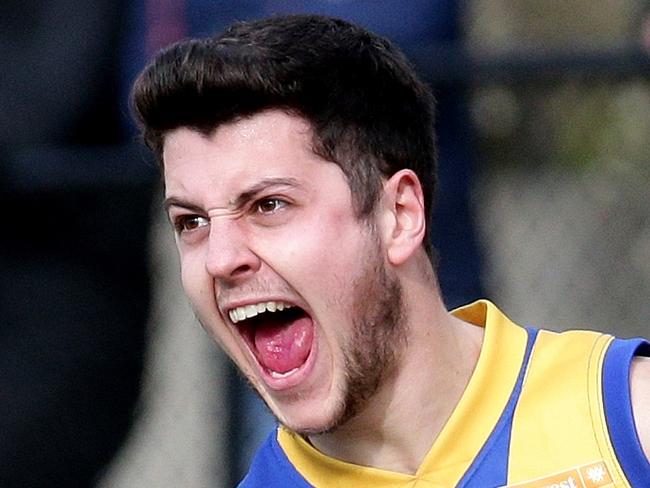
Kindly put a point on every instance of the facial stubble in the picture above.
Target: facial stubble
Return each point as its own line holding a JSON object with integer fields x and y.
{"x": 375, "y": 345}
{"x": 377, "y": 342}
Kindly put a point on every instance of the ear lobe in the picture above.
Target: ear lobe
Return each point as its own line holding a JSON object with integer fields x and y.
{"x": 405, "y": 201}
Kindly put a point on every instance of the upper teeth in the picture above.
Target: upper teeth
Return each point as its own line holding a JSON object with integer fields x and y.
{"x": 247, "y": 311}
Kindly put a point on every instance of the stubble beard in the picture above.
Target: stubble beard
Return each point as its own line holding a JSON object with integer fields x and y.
{"x": 375, "y": 347}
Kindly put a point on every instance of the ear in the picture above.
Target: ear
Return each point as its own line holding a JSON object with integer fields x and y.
{"x": 405, "y": 216}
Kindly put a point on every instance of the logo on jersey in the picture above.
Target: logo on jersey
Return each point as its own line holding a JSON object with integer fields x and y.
{"x": 593, "y": 475}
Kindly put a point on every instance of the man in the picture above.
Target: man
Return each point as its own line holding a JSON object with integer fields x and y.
{"x": 298, "y": 158}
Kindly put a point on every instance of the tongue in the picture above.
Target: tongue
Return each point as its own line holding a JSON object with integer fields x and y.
{"x": 284, "y": 346}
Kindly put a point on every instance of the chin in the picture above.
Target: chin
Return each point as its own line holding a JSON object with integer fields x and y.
{"x": 311, "y": 418}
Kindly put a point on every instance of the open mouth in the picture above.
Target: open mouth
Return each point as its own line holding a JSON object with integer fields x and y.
{"x": 279, "y": 334}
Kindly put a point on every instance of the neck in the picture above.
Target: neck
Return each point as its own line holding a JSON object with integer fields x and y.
{"x": 402, "y": 420}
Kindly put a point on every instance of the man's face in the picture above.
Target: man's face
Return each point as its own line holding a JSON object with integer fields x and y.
{"x": 279, "y": 269}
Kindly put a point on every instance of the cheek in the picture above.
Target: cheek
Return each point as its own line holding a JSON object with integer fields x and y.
{"x": 315, "y": 251}
{"x": 323, "y": 262}
{"x": 196, "y": 281}
{"x": 198, "y": 287}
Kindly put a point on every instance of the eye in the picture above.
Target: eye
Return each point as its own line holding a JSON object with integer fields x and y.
{"x": 189, "y": 223}
{"x": 269, "y": 205}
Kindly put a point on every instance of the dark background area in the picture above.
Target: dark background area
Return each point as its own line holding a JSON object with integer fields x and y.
{"x": 75, "y": 201}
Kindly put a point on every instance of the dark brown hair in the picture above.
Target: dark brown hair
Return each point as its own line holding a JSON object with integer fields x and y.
{"x": 369, "y": 112}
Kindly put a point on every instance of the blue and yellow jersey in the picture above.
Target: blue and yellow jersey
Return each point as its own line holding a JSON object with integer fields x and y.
{"x": 541, "y": 410}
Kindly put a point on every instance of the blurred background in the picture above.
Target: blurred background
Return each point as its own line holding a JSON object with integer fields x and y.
{"x": 106, "y": 379}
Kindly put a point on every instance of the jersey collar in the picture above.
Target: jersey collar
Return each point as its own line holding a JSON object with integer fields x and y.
{"x": 465, "y": 432}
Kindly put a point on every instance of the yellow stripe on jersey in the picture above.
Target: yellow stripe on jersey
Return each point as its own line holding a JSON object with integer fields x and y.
{"x": 560, "y": 408}
{"x": 486, "y": 395}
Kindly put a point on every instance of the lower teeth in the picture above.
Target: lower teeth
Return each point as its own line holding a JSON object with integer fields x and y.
{"x": 275, "y": 374}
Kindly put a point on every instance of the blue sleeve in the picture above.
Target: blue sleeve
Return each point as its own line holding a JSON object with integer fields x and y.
{"x": 272, "y": 469}
{"x": 618, "y": 409}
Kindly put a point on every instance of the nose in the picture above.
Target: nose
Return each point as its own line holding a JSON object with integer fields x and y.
{"x": 229, "y": 257}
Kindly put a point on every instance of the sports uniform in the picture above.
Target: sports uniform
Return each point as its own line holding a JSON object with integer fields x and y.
{"x": 541, "y": 410}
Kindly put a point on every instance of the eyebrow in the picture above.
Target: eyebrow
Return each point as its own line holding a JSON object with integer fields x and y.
{"x": 245, "y": 196}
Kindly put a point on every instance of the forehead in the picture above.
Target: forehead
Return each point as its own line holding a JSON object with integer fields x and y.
{"x": 273, "y": 133}
{"x": 267, "y": 145}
